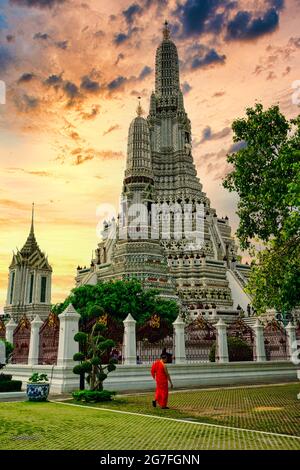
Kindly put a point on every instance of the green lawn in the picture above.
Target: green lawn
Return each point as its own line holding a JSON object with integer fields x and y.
{"x": 274, "y": 409}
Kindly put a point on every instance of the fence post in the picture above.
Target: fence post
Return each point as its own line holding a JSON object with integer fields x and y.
{"x": 68, "y": 327}
{"x": 291, "y": 340}
{"x": 9, "y": 330}
{"x": 33, "y": 355}
{"x": 129, "y": 341}
{"x": 179, "y": 337}
{"x": 260, "y": 351}
{"x": 222, "y": 345}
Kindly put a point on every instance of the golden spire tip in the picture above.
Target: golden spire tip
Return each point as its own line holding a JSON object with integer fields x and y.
{"x": 139, "y": 110}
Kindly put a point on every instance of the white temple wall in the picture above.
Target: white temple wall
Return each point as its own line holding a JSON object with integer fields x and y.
{"x": 239, "y": 296}
{"x": 130, "y": 378}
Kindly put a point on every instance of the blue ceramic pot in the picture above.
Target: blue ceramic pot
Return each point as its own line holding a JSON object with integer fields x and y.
{"x": 37, "y": 391}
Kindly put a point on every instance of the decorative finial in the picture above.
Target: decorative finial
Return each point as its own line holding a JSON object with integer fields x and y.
{"x": 166, "y": 31}
{"x": 32, "y": 218}
{"x": 139, "y": 109}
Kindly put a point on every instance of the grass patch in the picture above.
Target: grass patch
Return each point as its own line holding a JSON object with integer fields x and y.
{"x": 249, "y": 408}
{"x": 29, "y": 425}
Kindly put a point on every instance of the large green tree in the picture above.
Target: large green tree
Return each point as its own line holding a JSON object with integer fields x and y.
{"x": 118, "y": 299}
{"x": 266, "y": 175}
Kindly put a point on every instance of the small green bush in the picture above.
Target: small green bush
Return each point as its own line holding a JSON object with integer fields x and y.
{"x": 238, "y": 350}
{"x": 5, "y": 377}
{"x": 10, "y": 385}
{"x": 93, "y": 396}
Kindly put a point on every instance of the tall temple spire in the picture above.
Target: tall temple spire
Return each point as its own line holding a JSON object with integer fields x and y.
{"x": 31, "y": 244}
{"x": 139, "y": 109}
{"x": 167, "y": 66}
{"x": 138, "y": 148}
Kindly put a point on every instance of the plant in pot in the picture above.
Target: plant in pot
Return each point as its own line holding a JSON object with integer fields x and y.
{"x": 38, "y": 387}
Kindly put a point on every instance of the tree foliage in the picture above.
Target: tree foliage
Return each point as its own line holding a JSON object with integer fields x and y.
{"x": 266, "y": 176}
{"x": 118, "y": 299}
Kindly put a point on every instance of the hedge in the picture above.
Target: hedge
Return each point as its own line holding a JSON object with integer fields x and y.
{"x": 10, "y": 386}
{"x": 93, "y": 395}
{"x": 238, "y": 350}
{"x": 5, "y": 377}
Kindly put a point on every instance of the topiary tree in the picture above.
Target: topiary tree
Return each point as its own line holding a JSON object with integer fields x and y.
{"x": 93, "y": 348}
{"x": 238, "y": 350}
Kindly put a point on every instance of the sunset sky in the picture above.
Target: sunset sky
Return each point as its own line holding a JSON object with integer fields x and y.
{"x": 73, "y": 70}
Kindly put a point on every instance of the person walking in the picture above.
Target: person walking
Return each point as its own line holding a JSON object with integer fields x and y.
{"x": 161, "y": 375}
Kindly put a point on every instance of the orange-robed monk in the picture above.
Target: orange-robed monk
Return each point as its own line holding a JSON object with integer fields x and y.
{"x": 160, "y": 373}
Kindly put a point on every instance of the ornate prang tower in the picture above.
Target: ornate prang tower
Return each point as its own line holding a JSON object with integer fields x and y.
{"x": 29, "y": 283}
{"x": 160, "y": 169}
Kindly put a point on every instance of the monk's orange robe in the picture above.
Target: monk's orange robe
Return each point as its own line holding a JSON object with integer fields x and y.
{"x": 158, "y": 372}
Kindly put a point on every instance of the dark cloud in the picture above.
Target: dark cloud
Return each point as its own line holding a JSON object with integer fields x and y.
{"x": 193, "y": 15}
{"x": 62, "y": 44}
{"x": 150, "y": 3}
{"x": 120, "y": 38}
{"x": 186, "y": 87}
{"x": 117, "y": 83}
{"x": 111, "y": 129}
{"x": 145, "y": 72}
{"x": 120, "y": 57}
{"x": 207, "y": 134}
{"x": 131, "y": 12}
{"x": 54, "y": 80}
{"x": 43, "y": 36}
{"x": 278, "y": 4}
{"x": 26, "y": 77}
{"x": 202, "y": 16}
{"x": 199, "y": 17}
{"x": 70, "y": 89}
{"x": 209, "y": 58}
{"x": 245, "y": 26}
{"x": 26, "y": 103}
{"x": 37, "y": 3}
{"x": 46, "y": 37}
{"x": 89, "y": 85}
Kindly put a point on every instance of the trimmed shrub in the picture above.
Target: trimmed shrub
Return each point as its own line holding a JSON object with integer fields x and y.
{"x": 10, "y": 385}
{"x": 93, "y": 396}
{"x": 5, "y": 377}
{"x": 238, "y": 350}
